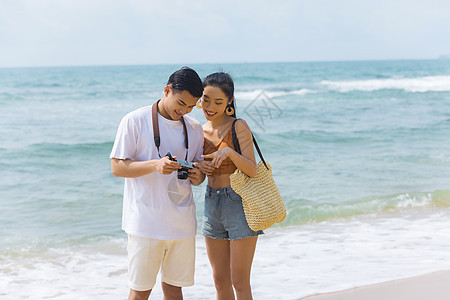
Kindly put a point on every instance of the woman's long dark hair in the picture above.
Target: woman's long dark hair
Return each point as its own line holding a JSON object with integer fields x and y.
{"x": 223, "y": 81}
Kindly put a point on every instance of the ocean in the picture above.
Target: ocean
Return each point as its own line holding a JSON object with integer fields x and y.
{"x": 359, "y": 151}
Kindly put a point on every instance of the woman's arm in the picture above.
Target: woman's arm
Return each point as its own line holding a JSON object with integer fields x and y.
{"x": 244, "y": 161}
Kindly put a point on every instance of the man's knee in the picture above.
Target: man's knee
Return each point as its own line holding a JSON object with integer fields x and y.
{"x": 139, "y": 295}
{"x": 171, "y": 292}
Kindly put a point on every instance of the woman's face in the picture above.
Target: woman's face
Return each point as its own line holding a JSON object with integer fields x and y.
{"x": 214, "y": 102}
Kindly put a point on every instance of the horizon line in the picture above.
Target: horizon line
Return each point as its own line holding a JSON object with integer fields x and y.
{"x": 218, "y": 63}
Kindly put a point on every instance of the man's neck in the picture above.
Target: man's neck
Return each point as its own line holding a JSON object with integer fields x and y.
{"x": 162, "y": 111}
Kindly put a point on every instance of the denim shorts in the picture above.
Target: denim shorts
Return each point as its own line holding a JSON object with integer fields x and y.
{"x": 224, "y": 215}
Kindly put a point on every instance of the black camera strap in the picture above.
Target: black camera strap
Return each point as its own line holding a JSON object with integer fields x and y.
{"x": 156, "y": 135}
{"x": 237, "y": 148}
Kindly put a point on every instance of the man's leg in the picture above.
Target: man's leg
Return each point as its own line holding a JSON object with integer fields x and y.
{"x": 171, "y": 292}
{"x": 177, "y": 268}
{"x": 139, "y": 295}
{"x": 144, "y": 261}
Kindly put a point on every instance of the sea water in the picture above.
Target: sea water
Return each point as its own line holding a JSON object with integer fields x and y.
{"x": 359, "y": 150}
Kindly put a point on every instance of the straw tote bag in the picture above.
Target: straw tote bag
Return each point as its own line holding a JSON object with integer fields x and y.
{"x": 261, "y": 199}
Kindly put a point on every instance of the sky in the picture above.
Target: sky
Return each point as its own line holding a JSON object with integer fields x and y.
{"x": 134, "y": 32}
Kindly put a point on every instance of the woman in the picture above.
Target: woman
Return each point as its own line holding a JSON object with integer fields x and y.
{"x": 230, "y": 243}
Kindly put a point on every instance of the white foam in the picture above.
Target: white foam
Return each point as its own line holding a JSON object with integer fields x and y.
{"x": 410, "y": 201}
{"x": 250, "y": 95}
{"x": 418, "y": 84}
{"x": 289, "y": 263}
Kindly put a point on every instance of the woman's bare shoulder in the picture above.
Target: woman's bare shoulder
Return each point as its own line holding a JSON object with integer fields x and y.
{"x": 242, "y": 126}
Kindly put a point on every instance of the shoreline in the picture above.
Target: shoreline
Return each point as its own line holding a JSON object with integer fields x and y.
{"x": 290, "y": 263}
{"x": 304, "y": 262}
{"x": 428, "y": 286}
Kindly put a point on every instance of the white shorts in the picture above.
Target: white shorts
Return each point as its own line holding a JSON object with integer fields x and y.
{"x": 175, "y": 258}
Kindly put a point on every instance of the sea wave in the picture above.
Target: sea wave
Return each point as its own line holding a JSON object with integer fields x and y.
{"x": 301, "y": 212}
{"x": 38, "y": 268}
{"x": 250, "y": 95}
{"x": 319, "y": 257}
{"x": 54, "y": 151}
{"x": 414, "y": 85}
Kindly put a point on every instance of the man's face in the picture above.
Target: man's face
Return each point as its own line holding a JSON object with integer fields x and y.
{"x": 178, "y": 104}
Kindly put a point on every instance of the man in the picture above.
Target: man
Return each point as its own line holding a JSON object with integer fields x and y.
{"x": 158, "y": 207}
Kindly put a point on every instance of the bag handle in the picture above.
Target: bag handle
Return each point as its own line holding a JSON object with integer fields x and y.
{"x": 238, "y": 148}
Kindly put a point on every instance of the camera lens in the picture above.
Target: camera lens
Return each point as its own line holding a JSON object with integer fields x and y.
{"x": 183, "y": 174}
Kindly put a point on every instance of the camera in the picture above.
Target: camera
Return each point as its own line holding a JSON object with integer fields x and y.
{"x": 185, "y": 166}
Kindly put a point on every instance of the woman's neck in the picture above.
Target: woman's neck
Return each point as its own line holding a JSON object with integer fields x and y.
{"x": 219, "y": 122}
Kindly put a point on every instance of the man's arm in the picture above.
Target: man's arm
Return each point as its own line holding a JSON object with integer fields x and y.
{"x": 131, "y": 169}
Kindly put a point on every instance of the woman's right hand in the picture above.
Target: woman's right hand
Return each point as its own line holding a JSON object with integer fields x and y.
{"x": 206, "y": 167}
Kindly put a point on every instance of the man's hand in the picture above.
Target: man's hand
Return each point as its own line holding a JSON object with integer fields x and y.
{"x": 195, "y": 176}
{"x": 167, "y": 166}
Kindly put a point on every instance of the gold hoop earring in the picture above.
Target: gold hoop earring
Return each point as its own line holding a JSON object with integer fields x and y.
{"x": 198, "y": 104}
{"x": 229, "y": 111}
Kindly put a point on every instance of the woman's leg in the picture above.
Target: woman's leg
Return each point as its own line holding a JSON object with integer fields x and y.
{"x": 242, "y": 252}
{"x": 219, "y": 257}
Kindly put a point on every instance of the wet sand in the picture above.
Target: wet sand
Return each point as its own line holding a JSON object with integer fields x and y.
{"x": 434, "y": 286}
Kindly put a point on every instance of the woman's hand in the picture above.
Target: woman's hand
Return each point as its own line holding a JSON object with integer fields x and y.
{"x": 219, "y": 156}
{"x": 206, "y": 167}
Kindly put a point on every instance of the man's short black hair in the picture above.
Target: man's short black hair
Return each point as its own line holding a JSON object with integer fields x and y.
{"x": 186, "y": 79}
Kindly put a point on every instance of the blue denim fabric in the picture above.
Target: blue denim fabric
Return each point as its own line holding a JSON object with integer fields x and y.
{"x": 224, "y": 215}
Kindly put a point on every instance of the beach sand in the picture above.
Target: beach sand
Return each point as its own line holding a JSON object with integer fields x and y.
{"x": 434, "y": 286}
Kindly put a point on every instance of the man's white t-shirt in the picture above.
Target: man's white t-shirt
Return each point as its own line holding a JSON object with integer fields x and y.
{"x": 155, "y": 205}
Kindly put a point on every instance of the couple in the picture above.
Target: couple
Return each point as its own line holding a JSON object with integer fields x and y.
{"x": 158, "y": 207}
